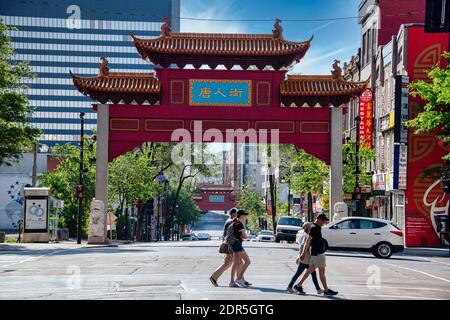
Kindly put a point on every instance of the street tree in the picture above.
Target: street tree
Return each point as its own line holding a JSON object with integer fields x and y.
{"x": 311, "y": 177}
{"x": 252, "y": 203}
{"x": 63, "y": 181}
{"x": 17, "y": 135}
{"x": 186, "y": 211}
{"x": 131, "y": 178}
{"x": 434, "y": 116}
{"x": 181, "y": 173}
{"x": 366, "y": 155}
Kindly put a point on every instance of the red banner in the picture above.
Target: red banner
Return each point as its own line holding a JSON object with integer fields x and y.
{"x": 427, "y": 204}
{"x": 366, "y": 115}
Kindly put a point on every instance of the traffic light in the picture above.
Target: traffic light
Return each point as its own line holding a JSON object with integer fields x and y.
{"x": 437, "y": 17}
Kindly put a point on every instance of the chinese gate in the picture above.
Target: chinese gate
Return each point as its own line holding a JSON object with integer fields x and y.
{"x": 149, "y": 107}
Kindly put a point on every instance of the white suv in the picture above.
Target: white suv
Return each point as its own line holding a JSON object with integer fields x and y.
{"x": 381, "y": 237}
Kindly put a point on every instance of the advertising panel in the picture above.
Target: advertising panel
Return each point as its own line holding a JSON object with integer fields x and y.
{"x": 427, "y": 205}
{"x": 36, "y": 213}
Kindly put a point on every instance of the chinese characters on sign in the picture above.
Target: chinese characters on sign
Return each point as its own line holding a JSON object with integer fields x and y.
{"x": 366, "y": 113}
{"x": 220, "y": 93}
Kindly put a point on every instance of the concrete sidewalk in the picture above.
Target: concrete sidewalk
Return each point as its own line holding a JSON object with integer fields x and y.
{"x": 427, "y": 252}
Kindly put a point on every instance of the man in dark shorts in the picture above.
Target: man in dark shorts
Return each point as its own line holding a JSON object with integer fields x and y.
{"x": 318, "y": 259}
{"x": 228, "y": 258}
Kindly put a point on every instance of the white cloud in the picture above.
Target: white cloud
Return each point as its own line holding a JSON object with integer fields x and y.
{"x": 210, "y": 10}
{"x": 319, "y": 61}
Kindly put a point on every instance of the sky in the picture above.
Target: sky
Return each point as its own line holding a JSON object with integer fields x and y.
{"x": 332, "y": 39}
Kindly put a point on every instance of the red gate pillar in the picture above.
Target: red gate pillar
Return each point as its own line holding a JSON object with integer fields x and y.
{"x": 336, "y": 177}
{"x": 101, "y": 176}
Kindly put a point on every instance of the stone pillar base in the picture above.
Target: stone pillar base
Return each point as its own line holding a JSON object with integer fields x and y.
{"x": 35, "y": 237}
{"x": 98, "y": 240}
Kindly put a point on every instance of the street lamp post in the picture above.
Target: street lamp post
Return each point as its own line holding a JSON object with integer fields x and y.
{"x": 80, "y": 184}
{"x": 357, "y": 166}
{"x": 446, "y": 182}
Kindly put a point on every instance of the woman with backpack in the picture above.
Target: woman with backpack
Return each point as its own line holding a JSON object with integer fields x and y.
{"x": 235, "y": 235}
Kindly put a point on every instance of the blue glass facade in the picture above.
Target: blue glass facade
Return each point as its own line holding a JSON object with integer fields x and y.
{"x": 56, "y": 36}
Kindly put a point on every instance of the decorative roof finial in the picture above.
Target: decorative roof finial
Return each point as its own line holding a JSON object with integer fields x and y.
{"x": 165, "y": 28}
{"x": 103, "y": 67}
{"x": 337, "y": 71}
{"x": 278, "y": 31}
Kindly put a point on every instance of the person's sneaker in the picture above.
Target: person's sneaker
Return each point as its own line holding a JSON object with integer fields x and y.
{"x": 320, "y": 291}
{"x": 233, "y": 285}
{"x": 299, "y": 290}
{"x": 241, "y": 283}
{"x": 248, "y": 284}
{"x": 291, "y": 290}
{"x": 330, "y": 292}
{"x": 213, "y": 281}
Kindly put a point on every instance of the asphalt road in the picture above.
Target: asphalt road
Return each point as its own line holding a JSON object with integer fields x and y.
{"x": 180, "y": 270}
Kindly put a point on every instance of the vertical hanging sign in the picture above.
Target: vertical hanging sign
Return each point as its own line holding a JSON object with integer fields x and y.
{"x": 366, "y": 114}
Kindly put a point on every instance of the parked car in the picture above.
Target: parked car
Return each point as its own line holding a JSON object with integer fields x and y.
{"x": 265, "y": 236}
{"x": 381, "y": 237}
{"x": 287, "y": 228}
{"x": 251, "y": 238}
{"x": 203, "y": 237}
{"x": 189, "y": 237}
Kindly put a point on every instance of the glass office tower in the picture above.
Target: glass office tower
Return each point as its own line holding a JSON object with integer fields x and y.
{"x": 56, "y": 36}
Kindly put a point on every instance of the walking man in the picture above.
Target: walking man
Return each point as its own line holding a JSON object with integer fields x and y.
{"x": 315, "y": 242}
{"x": 228, "y": 258}
{"x": 304, "y": 264}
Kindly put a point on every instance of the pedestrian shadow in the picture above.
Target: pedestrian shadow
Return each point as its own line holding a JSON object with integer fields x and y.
{"x": 274, "y": 290}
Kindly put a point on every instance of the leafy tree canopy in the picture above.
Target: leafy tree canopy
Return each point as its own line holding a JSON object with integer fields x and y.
{"x": 17, "y": 135}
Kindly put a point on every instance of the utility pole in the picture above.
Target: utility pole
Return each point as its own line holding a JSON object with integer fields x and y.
{"x": 34, "y": 174}
{"x": 80, "y": 183}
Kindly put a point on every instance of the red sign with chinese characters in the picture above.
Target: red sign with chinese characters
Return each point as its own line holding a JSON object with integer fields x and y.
{"x": 427, "y": 204}
{"x": 366, "y": 114}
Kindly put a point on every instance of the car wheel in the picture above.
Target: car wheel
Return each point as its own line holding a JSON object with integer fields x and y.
{"x": 383, "y": 250}
{"x": 277, "y": 240}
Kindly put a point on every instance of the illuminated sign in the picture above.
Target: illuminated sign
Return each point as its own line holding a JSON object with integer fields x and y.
{"x": 220, "y": 93}
{"x": 366, "y": 114}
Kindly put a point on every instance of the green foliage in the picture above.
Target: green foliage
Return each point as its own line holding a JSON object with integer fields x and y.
{"x": 180, "y": 174}
{"x": 132, "y": 176}
{"x": 435, "y": 115}
{"x": 186, "y": 211}
{"x": 366, "y": 155}
{"x": 311, "y": 176}
{"x": 64, "y": 179}
{"x": 251, "y": 203}
{"x": 17, "y": 135}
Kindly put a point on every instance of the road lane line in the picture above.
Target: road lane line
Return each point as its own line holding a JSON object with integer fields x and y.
{"x": 415, "y": 270}
{"x": 31, "y": 259}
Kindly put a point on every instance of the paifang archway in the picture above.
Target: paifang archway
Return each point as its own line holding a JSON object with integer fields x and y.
{"x": 148, "y": 107}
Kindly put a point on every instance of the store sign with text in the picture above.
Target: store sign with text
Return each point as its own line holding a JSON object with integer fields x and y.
{"x": 366, "y": 115}
{"x": 427, "y": 207}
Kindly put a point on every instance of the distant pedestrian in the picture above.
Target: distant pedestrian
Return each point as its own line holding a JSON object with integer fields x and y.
{"x": 228, "y": 256}
{"x": 236, "y": 234}
{"x": 304, "y": 264}
{"x": 315, "y": 242}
